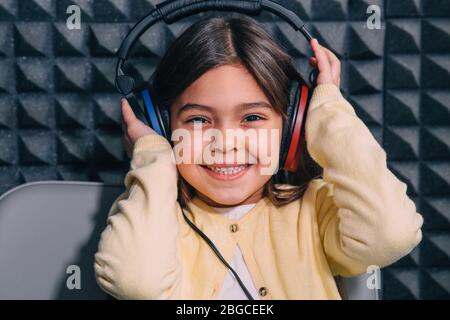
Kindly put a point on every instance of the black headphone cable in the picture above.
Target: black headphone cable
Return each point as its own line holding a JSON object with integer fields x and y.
{"x": 217, "y": 253}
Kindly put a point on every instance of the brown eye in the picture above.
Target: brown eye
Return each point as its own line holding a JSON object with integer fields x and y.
{"x": 253, "y": 117}
{"x": 197, "y": 119}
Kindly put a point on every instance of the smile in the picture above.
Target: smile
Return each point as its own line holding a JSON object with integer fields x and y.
{"x": 226, "y": 172}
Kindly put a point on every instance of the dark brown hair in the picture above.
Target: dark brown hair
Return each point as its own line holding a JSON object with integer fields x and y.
{"x": 238, "y": 39}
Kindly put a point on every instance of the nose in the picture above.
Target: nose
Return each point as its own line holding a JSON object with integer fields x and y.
{"x": 223, "y": 142}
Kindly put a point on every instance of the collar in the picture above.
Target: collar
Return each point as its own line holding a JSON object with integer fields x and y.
{"x": 202, "y": 211}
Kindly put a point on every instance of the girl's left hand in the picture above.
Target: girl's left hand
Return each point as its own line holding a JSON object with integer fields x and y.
{"x": 328, "y": 64}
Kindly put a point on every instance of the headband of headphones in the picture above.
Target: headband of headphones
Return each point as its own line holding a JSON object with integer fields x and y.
{"x": 173, "y": 10}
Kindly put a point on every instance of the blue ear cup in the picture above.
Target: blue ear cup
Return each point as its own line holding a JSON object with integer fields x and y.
{"x": 158, "y": 116}
{"x": 152, "y": 115}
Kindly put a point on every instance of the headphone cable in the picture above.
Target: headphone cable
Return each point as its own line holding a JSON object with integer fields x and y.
{"x": 217, "y": 253}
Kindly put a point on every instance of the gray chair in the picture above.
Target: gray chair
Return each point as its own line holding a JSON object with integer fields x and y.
{"x": 47, "y": 227}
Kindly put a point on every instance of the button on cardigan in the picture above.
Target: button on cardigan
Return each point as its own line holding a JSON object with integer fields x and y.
{"x": 230, "y": 288}
{"x": 357, "y": 215}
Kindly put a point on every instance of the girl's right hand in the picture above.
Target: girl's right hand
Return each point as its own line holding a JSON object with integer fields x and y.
{"x": 132, "y": 128}
{"x": 327, "y": 63}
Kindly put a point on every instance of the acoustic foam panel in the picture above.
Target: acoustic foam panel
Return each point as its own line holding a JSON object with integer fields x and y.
{"x": 60, "y": 116}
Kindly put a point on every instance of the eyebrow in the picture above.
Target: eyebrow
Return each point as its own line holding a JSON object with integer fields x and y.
{"x": 247, "y": 105}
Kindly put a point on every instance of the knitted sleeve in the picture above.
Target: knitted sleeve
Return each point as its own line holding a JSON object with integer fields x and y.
{"x": 364, "y": 214}
{"x": 138, "y": 256}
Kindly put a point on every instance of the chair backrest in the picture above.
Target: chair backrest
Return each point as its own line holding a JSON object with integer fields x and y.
{"x": 49, "y": 232}
{"x": 45, "y": 227}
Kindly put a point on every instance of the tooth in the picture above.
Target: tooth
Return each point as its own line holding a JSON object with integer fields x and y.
{"x": 227, "y": 170}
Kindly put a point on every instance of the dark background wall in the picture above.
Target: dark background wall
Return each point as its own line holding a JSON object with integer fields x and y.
{"x": 60, "y": 116}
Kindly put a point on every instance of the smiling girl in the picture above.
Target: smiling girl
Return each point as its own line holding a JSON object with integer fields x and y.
{"x": 285, "y": 240}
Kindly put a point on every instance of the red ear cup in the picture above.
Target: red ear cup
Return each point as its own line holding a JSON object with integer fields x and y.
{"x": 288, "y": 123}
{"x": 294, "y": 149}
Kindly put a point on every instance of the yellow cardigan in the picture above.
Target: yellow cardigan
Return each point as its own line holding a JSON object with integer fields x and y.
{"x": 356, "y": 216}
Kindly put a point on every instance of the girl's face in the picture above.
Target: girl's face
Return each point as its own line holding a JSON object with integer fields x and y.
{"x": 225, "y": 98}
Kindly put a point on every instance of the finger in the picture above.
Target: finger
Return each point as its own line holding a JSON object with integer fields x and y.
{"x": 313, "y": 62}
{"x": 330, "y": 54}
{"x": 127, "y": 112}
{"x": 322, "y": 59}
{"x": 334, "y": 62}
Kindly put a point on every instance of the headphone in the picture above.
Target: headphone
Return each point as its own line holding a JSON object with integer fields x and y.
{"x": 158, "y": 117}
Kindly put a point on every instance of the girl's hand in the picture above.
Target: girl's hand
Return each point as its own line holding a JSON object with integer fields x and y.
{"x": 328, "y": 64}
{"x": 132, "y": 128}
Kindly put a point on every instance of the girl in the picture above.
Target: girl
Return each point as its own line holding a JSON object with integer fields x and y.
{"x": 285, "y": 240}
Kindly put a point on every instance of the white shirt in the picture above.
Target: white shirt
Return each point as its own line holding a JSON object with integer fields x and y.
{"x": 231, "y": 290}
